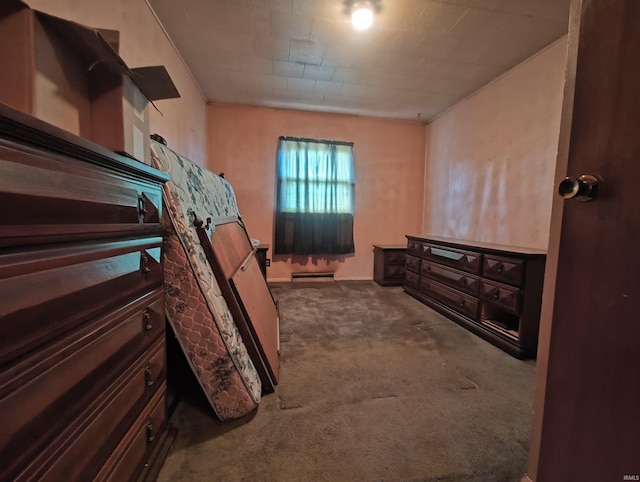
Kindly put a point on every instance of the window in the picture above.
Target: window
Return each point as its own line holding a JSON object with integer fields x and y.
{"x": 315, "y": 197}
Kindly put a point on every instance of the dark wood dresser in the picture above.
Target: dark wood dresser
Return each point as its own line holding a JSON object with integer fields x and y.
{"x": 261, "y": 257}
{"x": 82, "y": 325}
{"x": 494, "y": 291}
{"x": 388, "y": 264}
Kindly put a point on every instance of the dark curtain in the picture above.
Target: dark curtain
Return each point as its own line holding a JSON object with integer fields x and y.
{"x": 313, "y": 233}
{"x": 315, "y": 191}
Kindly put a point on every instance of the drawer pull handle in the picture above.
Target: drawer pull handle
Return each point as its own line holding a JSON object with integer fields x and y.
{"x": 148, "y": 377}
{"x": 500, "y": 267}
{"x": 150, "y": 435}
{"x": 496, "y": 295}
{"x": 146, "y": 320}
{"x": 463, "y": 282}
{"x": 462, "y": 303}
{"x": 141, "y": 207}
{"x": 144, "y": 263}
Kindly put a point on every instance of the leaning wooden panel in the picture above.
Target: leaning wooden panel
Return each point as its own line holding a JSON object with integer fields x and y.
{"x": 259, "y": 309}
{"x": 227, "y": 248}
{"x": 231, "y": 244}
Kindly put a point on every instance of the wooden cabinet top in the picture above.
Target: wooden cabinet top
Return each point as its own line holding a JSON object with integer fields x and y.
{"x": 20, "y": 128}
{"x": 500, "y": 249}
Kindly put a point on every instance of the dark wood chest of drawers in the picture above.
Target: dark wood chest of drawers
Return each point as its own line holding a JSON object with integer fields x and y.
{"x": 389, "y": 264}
{"x": 82, "y": 342}
{"x": 261, "y": 257}
{"x": 494, "y": 291}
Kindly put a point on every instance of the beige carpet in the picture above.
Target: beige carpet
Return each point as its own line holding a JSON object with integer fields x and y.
{"x": 374, "y": 386}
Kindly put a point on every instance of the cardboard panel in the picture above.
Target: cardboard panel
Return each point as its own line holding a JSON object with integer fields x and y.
{"x": 72, "y": 76}
{"x": 16, "y": 57}
{"x": 61, "y": 90}
{"x": 154, "y": 82}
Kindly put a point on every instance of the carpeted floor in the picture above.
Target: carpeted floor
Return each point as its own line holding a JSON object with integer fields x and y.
{"x": 374, "y": 386}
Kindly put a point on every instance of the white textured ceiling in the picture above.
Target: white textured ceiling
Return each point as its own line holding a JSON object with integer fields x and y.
{"x": 419, "y": 58}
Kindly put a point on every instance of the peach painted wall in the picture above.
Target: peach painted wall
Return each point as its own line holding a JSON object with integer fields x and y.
{"x": 143, "y": 43}
{"x": 491, "y": 158}
{"x": 389, "y": 163}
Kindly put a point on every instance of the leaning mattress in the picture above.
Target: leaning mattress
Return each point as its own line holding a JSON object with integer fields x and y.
{"x": 195, "y": 307}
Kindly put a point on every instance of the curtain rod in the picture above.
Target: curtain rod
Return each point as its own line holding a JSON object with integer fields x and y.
{"x": 317, "y": 141}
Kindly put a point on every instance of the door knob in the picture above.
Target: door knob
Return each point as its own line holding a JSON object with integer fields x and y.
{"x": 585, "y": 188}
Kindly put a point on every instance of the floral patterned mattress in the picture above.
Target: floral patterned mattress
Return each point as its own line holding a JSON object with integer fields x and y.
{"x": 195, "y": 307}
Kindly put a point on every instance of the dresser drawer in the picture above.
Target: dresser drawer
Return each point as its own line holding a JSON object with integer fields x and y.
{"x": 97, "y": 434}
{"x": 45, "y": 396}
{"x": 61, "y": 200}
{"x": 412, "y": 264}
{"x": 412, "y": 279}
{"x": 82, "y": 343}
{"x": 45, "y": 293}
{"x": 133, "y": 451}
{"x": 506, "y": 297}
{"x": 456, "y": 258}
{"x": 394, "y": 272}
{"x": 478, "y": 284}
{"x": 414, "y": 248}
{"x": 388, "y": 264}
{"x": 506, "y": 270}
{"x": 395, "y": 257}
{"x": 451, "y": 277}
{"x": 459, "y": 302}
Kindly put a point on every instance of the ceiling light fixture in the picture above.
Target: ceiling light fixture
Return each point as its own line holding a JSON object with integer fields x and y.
{"x": 362, "y": 12}
{"x": 362, "y": 17}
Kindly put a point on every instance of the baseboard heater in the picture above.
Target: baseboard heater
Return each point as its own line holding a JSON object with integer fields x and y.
{"x": 315, "y": 276}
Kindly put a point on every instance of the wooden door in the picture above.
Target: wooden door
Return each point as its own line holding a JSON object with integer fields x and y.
{"x": 591, "y": 420}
